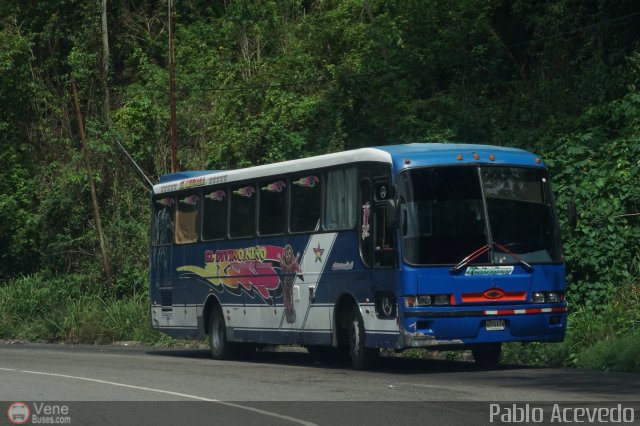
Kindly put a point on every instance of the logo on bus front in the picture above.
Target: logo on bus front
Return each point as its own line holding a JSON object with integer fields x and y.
{"x": 489, "y": 270}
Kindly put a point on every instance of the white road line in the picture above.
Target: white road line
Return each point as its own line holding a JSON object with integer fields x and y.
{"x": 166, "y": 392}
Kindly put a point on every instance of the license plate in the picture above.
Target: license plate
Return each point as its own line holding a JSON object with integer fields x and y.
{"x": 491, "y": 325}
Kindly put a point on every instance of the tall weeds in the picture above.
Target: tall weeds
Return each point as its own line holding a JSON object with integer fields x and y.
{"x": 37, "y": 308}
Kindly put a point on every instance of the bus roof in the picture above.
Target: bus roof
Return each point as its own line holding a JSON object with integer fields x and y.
{"x": 431, "y": 154}
{"x": 418, "y": 154}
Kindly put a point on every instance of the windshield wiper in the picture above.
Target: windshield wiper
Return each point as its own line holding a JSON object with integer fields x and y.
{"x": 479, "y": 252}
{"x": 517, "y": 257}
{"x": 464, "y": 262}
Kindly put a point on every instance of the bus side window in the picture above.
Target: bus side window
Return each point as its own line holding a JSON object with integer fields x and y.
{"x": 163, "y": 221}
{"x": 306, "y": 203}
{"x": 272, "y": 216}
{"x": 187, "y": 218}
{"x": 242, "y": 219}
{"x": 340, "y": 199}
{"x": 214, "y": 214}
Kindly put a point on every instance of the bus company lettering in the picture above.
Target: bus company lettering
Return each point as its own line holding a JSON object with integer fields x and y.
{"x": 342, "y": 266}
{"x": 253, "y": 270}
{"x": 193, "y": 182}
{"x": 250, "y": 253}
{"x": 169, "y": 188}
{"x": 217, "y": 179}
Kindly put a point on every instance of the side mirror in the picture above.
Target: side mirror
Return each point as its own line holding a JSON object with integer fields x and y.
{"x": 383, "y": 191}
{"x": 572, "y": 216}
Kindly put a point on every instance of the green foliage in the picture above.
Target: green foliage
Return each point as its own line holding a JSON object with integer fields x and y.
{"x": 599, "y": 169}
{"x": 549, "y": 354}
{"x": 604, "y": 339}
{"x": 615, "y": 354}
{"x": 69, "y": 309}
{"x": 18, "y": 223}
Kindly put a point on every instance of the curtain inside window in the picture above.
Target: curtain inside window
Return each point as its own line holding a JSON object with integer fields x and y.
{"x": 341, "y": 195}
{"x": 186, "y": 227}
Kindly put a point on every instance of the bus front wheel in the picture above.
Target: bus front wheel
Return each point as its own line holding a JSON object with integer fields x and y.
{"x": 219, "y": 346}
{"x": 361, "y": 356}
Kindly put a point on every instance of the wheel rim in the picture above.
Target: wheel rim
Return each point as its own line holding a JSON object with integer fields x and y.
{"x": 355, "y": 339}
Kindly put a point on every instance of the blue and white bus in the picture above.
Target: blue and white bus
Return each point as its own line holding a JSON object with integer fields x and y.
{"x": 439, "y": 246}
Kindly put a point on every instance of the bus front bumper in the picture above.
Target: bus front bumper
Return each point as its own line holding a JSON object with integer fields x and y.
{"x": 439, "y": 328}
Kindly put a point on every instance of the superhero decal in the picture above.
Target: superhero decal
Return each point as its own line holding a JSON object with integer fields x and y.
{"x": 289, "y": 267}
{"x": 366, "y": 211}
{"x": 258, "y": 270}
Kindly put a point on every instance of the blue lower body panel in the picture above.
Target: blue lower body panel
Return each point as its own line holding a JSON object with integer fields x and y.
{"x": 425, "y": 329}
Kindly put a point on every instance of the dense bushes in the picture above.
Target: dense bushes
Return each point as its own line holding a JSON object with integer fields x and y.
{"x": 70, "y": 309}
{"x": 603, "y": 338}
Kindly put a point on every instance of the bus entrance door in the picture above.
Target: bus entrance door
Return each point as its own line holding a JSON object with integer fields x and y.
{"x": 299, "y": 311}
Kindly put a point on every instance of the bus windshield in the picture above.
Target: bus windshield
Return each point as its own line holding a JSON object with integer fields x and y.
{"x": 444, "y": 213}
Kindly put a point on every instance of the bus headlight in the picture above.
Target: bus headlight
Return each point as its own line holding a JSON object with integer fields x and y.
{"x": 547, "y": 297}
{"x": 441, "y": 299}
{"x": 428, "y": 300}
{"x": 424, "y": 300}
{"x": 538, "y": 297}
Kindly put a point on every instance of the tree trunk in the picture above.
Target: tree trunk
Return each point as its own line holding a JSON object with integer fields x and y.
{"x": 92, "y": 186}
{"x": 105, "y": 66}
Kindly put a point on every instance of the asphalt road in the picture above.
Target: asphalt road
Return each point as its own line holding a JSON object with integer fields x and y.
{"x": 142, "y": 385}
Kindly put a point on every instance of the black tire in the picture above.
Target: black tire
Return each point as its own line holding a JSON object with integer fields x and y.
{"x": 219, "y": 347}
{"x": 362, "y": 357}
{"x": 487, "y": 355}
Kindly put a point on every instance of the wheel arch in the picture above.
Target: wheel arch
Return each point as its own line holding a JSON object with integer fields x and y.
{"x": 341, "y": 317}
{"x": 210, "y": 302}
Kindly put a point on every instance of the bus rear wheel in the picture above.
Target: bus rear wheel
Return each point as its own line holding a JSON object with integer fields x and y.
{"x": 362, "y": 357}
{"x": 487, "y": 355}
{"x": 219, "y": 346}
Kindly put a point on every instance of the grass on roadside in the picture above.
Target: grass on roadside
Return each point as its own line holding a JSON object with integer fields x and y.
{"x": 35, "y": 308}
